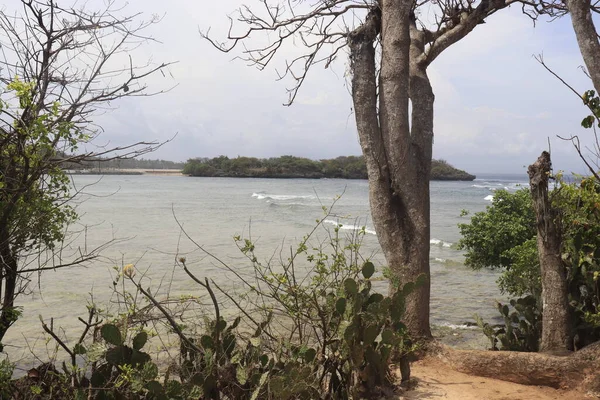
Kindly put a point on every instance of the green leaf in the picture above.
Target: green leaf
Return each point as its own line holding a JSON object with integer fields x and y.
{"x": 154, "y": 387}
{"x": 207, "y": 342}
{"x": 139, "y": 357}
{"x": 264, "y": 360}
{"x": 399, "y": 326}
{"x": 261, "y": 382}
{"x": 375, "y": 298}
{"x": 340, "y": 305}
{"x": 397, "y": 307}
{"x": 229, "y": 344}
{"x": 388, "y": 336}
{"x": 370, "y": 334}
{"x": 310, "y": 355}
{"x": 173, "y": 389}
{"x": 368, "y": 269}
{"x": 350, "y": 332}
{"x": 116, "y": 355}
{"x": 241, "y": 374}
{"x": 578, "y": 241}
{"x": 588, "y": 122}
{"x": 111, "y": 334}
{"x": 408, "y": 288}
{"x": 79, "y": 349}
{"x": 236, "y": 322}
{"x": 140, "y": 340}
{"x": 101, "y": 375}
{"x": 210, "y": 383}
{"x": 350, "y": 286}
{"x": 421, "y": 280}
{"x": 357, "y": 355}
{"x": 221, "y": 325}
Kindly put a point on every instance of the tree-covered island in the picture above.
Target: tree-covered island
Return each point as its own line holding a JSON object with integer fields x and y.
{"x": 345, "y": 167}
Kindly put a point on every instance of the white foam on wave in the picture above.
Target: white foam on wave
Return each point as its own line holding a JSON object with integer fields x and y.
{"x": 489, "y": 198}
{"x": 442, "y": 260}
{"x": 508, "y": 186}
{"x": 441, "y": 243}
{"x": 458, "y": 326}
{"x": 348, "y": 227}
{"x": 280, "y": 197}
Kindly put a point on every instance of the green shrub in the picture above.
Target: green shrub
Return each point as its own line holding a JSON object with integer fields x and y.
{"x": 308, "y": 327}
{"x": 504, "y": 236}
{"x": 522, "y": 327}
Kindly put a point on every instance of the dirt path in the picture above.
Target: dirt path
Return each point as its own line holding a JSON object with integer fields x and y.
{"x": 437, "y": 381}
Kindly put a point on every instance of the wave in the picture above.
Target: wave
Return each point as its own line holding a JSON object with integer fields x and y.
{"x": 348, "y": 227}
{"x": 280, "y": 197}
{"x": 493, "y": 186}
{"x": 489, "y": 198}
{"x": 458, "y": 326}
{"x": 440, "y": 243}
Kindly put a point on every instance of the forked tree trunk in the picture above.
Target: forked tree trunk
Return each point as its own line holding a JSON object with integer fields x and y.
{"x": 556, "y": 319}
{"x": 398, "y": 160}
{"x": 397, "y": 145}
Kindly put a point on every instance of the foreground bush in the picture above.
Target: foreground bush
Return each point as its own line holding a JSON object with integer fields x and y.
{"x": 308, "y": 327}
{"x": 504, "y": 237}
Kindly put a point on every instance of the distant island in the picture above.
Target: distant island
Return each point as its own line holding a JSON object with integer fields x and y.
{"x": 345, "y": 167}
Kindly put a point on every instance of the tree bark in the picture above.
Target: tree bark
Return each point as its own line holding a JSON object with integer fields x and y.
{"x": 397, "y": 144}
{"x": 398, "y": 159}
{"x": 556, "y": 319}
{"x": 587, "y": 38}
{"x": 579, "y": 370}
{"x": 8, "y": 283}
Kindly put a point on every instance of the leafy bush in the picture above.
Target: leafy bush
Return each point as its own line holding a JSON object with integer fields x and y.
{"x": 504, "y": 236}
{"x": 491, "y": 234}
{"x": 308, "y": 327}
{"x": 522, "y": 327}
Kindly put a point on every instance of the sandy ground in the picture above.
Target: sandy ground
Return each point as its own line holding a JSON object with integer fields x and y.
{"x": 436, "y": 381}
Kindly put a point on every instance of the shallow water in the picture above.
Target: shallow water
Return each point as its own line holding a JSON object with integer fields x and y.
{"x": 275, "y": 213}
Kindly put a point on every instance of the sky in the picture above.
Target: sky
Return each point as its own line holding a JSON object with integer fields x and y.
{"x": 496, "y": 107}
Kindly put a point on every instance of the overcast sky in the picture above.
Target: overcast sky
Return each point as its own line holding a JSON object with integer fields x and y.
{"x": 495, "y": 109}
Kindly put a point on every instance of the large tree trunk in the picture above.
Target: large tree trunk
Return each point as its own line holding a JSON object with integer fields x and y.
{"x": 556, "y": 319}
{"x": 398, "y": 160}
{"x": 8, "y": 283}
{"x": 587, "y": 38}
{"x": 397, "y": 145}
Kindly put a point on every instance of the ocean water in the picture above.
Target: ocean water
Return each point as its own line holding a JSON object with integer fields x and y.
{"x": 141, "y": 216}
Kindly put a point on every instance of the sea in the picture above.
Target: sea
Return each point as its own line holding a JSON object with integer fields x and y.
{"x": 151, "y": 221}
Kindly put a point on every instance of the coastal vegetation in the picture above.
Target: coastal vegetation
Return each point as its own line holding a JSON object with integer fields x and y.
{"x": 310, "y": 325}
{"x": 504, "y": 237}
{"x": 41, "y": 128}
{"x": 307, "y": 327}
{"x": 106, "y": 164}
{"x": 348, "y": 167}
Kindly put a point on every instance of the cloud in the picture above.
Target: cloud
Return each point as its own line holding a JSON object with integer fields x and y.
{"x": 495, "y": 105}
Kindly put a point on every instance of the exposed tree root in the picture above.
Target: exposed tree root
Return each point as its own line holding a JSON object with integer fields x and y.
{"x": 578, "y": 370}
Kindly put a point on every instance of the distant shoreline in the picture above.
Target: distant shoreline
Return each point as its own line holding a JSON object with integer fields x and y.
{"x": 178, "y": 172}
{"x": 438, "y": 179}
{"x": 128, "y": 171}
